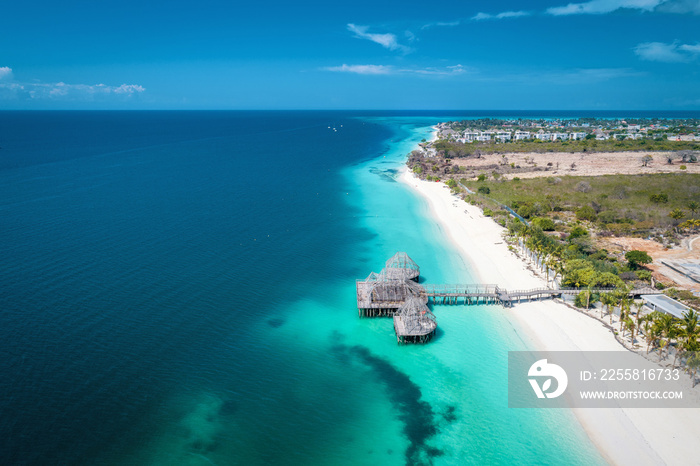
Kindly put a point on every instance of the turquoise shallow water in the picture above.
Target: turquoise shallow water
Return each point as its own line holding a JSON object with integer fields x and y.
{"x": 178, "y": 288}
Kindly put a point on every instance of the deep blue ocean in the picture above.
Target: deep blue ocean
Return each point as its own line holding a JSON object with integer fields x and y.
{"x": 178, "y": 288}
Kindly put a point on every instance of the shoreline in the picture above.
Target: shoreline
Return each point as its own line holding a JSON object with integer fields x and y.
{"x": 622, "y": 435}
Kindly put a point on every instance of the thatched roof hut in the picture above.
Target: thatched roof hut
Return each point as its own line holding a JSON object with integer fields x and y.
{"x": 386, "y": 296}
{"x": 401, "y": 267}
{"x": 414, "y": 322}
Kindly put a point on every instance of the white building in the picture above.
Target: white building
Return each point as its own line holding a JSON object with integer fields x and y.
{"x": 503, "y": 136}
{"x": 470, "y": 136}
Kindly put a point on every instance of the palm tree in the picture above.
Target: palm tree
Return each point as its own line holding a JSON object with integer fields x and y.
{"x": 688, "y": 333}
{"x": 608, "y": 300}
{"x": 591, "y": 284}
{"x": 693, "y": 364}
{"x": 693, "y": 206}
{"x": 624, "y": 310}
{"x": 669, "y": 329}
{"x": 652, "y": 330}
{"x": 639, "y": 305}
{"x": 631, "y": 327}
{"x": 690, "y": 327}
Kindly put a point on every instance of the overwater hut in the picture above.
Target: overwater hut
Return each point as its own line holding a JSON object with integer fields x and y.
{"x": 414, "y": 323}
{"x": 401, "y": 267}
{"x": 378, "y": 296}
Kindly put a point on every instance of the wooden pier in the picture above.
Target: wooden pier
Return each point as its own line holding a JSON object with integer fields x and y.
{"x": 394, "y": 292}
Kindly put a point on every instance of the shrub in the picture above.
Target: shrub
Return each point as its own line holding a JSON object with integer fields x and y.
{"x": 525, "y": 211}
{"x": 606, "y": 279}
{"x": 659, "y": 198}
{"x": 644, "y": 275}
{"x": 583, "y": 187}
{"x": 483, "y": 190}
{"x": 516, "y": 178}
{"x": 683, "y": 167}
{"x": 481, "y": 177}
{"x": 488, "y": 213}
{"x": 636, "y": 258}
{"x": 577, "y": 231}
{"x": 545, "y": 224}
{"x": 586, "y": 213}
{"x": 607, "y": 216}
{"x": 579, "y": 272}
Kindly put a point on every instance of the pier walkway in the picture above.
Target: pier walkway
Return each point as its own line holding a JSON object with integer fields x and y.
{"x": 382, "y": 295}
{"x": 493, "y": 294}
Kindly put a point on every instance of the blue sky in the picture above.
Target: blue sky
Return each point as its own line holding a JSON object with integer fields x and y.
{"x": 211, "y": 54}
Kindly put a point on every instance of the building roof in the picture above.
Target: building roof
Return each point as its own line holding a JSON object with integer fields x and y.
{"x": 663, "y": 303}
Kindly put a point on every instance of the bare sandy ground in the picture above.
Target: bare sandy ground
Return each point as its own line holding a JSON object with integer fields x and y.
{"x": 689, "y": 250}
{"x": 623, "y": 435}
{"x": 585, "y": 164}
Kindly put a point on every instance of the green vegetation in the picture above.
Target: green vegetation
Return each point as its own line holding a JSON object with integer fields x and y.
{"x": 659, "y": 198}
{"x": 663, "y": 332}
{"x": 637, "y": 258}
{"x": 586, "y": 212}
{"x": 544, "y": 223}
{"x": 612, "y": 204}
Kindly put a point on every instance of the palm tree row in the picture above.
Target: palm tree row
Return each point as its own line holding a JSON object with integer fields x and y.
{"x": 663, "y": 331}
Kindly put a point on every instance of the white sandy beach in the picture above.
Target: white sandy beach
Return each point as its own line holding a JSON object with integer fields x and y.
{"x": 624, "y": 435}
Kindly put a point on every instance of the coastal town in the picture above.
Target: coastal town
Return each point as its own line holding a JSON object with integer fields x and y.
{"x": 485, "y": 130}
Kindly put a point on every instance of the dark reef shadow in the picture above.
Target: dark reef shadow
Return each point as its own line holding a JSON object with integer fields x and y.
{"x": 419, "y": 420}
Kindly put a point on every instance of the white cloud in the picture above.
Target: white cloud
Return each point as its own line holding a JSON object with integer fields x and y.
{"x": 481, "y": 16}
{"x": 512, "y": 14}
{"x": 5, "y": 72}
{"x": 387, "y": 40}
{"x": 680, "y": 6}
{"x": 597, "y": 7}
{"x": 570, "y": 77}
{"x": 361, "y": 69}
{"x": 447, "y": 71}
{"x": 128, "y": 89}
{"x": 690, "y": 48}
{"x": 505, "y": 14}
{"x": 442, "y": 24}
{"x": 667, "y": 53}
{"x": 61, "y": 90}
{"x": 387, "y": 69}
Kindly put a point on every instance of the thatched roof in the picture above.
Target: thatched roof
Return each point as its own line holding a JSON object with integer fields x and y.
{"x": 401, "y": 267}
{"x": 379, "y": 293}
{"x": 415, "y": 318}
